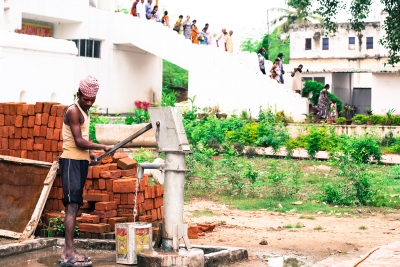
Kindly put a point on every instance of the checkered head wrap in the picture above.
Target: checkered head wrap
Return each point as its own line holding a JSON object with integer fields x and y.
{"x": 89, "y": 86}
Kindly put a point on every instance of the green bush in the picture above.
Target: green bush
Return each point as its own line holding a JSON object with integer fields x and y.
{"x": 396, "y": 120}
{"x": 315, "y": 89}
{"x": 361, "y": 118}
{"x": 341, "y": 120}
{"x": 363, "y": 148}
{"x": 376, "y": 119}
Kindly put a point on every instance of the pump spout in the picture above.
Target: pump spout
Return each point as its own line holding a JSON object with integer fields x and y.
{"x": 154, "y": 166}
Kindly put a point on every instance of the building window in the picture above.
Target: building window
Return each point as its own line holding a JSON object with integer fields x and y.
{"x": 308, "y": 43}
{"x": 370, "y": 42}
{"x": 88, "y": 48}
{"x": 325, "y": 43}
{"x": 352, "y": 43}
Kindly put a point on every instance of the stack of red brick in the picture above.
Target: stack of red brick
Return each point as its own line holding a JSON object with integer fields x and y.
{"x": 109, "y": 195}
{"x": 31, "y": 131}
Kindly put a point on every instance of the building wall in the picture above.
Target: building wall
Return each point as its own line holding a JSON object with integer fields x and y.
{"x": 338, "y": 43}
{"x": 385, "y": 92}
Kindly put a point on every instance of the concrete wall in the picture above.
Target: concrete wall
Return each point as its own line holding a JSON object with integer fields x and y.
{"x": 341, "y": 86}
{"x": 385, "y": 92}
{"x": 36, "y": 68}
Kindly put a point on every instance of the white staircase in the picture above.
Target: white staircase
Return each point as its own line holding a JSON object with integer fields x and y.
{"x": 232, "y": 81}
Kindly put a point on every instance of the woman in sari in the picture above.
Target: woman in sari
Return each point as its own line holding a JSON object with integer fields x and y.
{"x": 187, "y": 29}
{"x": 275, "y": 71}
{"x": 195, "y": 33}
{"x": 323, "y": 103}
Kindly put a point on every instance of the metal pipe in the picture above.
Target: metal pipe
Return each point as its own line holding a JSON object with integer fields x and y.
{"x": 143, "y": 166}
{"x": 173, "y": 198}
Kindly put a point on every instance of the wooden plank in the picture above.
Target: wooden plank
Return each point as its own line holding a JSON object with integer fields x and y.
{"x": 10, "y": 234}
{"x": 25, "y": 161}
{"x": 48, "y": 183}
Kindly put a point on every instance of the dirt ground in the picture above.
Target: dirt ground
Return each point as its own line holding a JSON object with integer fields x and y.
{"x": 339, "y": 239}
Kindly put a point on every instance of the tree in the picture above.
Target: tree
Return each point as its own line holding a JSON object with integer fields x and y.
{"x": 359, "y": 9}
{"x": 298, "y": 13}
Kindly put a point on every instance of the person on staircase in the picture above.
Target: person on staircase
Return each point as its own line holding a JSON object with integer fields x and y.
{"x": 133, "y": 9}
{"x": 149, "y": 8}
{"x": 141, "y": 10}
{"x": 165, "y": 19}
{"x": 195, "y": 33}
{"x": 221, "y": 40}
{"x": 261, "y": 59}
{"x": 74, "y": 164}
{"x": 154, "y": 14}
{"x": 228, "y": 42}
{"x": 187, "y": 28}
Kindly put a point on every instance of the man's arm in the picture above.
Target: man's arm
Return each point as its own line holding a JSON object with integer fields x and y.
{"x": 73, "y": 121}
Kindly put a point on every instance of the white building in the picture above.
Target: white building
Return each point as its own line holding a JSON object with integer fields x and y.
{"x": 125, "y": 53}
{"x": 49, "y": 69}
{"x": 347, "y": 60}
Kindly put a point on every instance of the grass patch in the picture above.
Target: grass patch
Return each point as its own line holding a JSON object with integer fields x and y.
{"x": 318, "y": 228}
{"x": 288, "y": 226}
{"x": 299, "y": 225}
{"x": 200, "y": 213}
{"x": 362, "y": 227}
{"x": 307, "y": 217}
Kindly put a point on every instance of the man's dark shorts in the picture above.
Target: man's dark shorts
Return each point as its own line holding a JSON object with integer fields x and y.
{"x": 73, "y": 176}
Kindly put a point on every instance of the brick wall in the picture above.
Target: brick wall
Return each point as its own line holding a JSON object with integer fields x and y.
{"x": 31, "y": 131}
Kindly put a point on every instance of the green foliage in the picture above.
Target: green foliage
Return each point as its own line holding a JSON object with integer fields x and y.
{"x": 56, "y": 227}
{"x": 363, "y": 148}
{"x": 95, "y": 119}
{"x": 320, "y": 138}
{"x": 143, "y": 155}
{"x": 284, "y": 183}
{"x": 169, "y": 97}
{"x": 341, "y": 120}
{"x": 277, "y": 45}
{"x": 247, "y": 135}
{"x": 361, "y": 118}
{"x": 359, "y": 10}
{"x": 139, "y": 116}
{"x": 174, "y": 76}
{"x": 315, "y": 89}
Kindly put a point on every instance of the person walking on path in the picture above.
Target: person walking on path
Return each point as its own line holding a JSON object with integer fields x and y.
{"x": 297, "y": 84}
{"x": 165, "y": 19}
{"x": 203, "y": 39}
{"x": 133, "y": 9}
{"x": 195, "y": 33}
{"x": 178, "y": 27}
{"x": 154, "y": 14}
{"x": 74, "y": 163}
{"x": 275, "y": 71}
{"x": 221, "y": 40}
{"x": 209, "y": 35}
{"x": 187, "y": 28}
{"x": 324, "y": 103}
{"x": 141, "y": 10}
{"x": 228, "y": 42}
{"x": 280, "y": 57}
{"x": 261, "y": 59}
{"x": 149, "y": 8}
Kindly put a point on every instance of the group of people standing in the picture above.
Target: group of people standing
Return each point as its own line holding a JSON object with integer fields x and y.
{"x": 183, "y": 26}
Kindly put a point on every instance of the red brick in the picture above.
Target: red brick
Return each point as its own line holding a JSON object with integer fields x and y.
{"x": 193, "y": 232}
{"x": 18, "y": 121}
{"x": 106, "y": 159}
{"x": 109, "y": 185}
{"x": 90, "y": 171}
{"x": 17, "y": 144}
{"x": 49, "y": 134}
{"x": 60, "y": 146}
{"x": 24, "y": 154}
{"x": 39, "y": 140}
{"x": 102, "y": 184}
{"x": 42, "y": 156}
{"x": 31, "y": 121}
{"x": 105, "y": 214}
{"x": 96, "y": 197}
{"x": 43, "y": 131}
{"x": 124, "y": 185}
{"x": 30, "y": 133}
{"x": 154, "y": 215}
{"x": 56, "y": 156}
{"x": 1, "y": 108}
{"x": 51, "y": 122}
{"x": 38, "y": 147}
{"x": 148, "y": 204}
{"x": 30, "y": 154}
{"x": 131, "y": 199}
{"x": 159, "y": 216}
{"x": 124, "y": 199}
{"x": 31, "y": 109}
{"x": 47, "y": 107}
{"x": 92, "y": 228}
{"x": 98, "y": 169}
{"x": 54, "y": 146}
{"x": 60, "y": 193}
{"x": 60, "y": 110}
{"x": 38, "y": 119}
{"x": 118, "y": 156}
{"x": 112, "y": 167}
{"x": 96, "y": 184}
{"x": 131, "y": 172}
{"x": 49, "y": 157}
{"x": 115, "y": 174}
{"x": 108, "y": 205}
{"x": 12, "y": 109}
{"x": 25, "y": 122}
{"x": 1, "y": 119}
{"x": 113, "y": 221}
{"x": 35, "y": 155}
{"x": 19, "y": 109}
{"x": 45, "y": 119}
{"x": 36, "y": 130}
{"x": 24, "y": 133}
{"x": 11, "y": 131}
{"x": 59, "y": 123}
{"x": 18, "y": 133}
{"x": 56, "y": 134}
{"x": 4, "y": 131}
{"x": 4, "y": 143}
{"x": 88, "y": 219}
{"x": 29, "y": 144}
{"x": 47, "y": 146}
{"x": 38, "y": 107}
{"x": 127, "y": 163}
{"x": 24, "y": 110}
